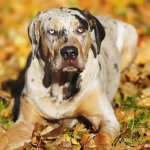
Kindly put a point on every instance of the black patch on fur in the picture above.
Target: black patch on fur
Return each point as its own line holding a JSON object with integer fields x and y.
{"x": 94, "y": 50}
{"x": 74, "y": 8}
{"x": 87, "y": 123}
{"x": 47, "y": 74}
{"x": 99, "y": 33}
{"x": 100, "y": 66}
{"x": 47, "y": 66}
{"x": 34, "y": 38}
{"x": 94, "y": 25}
{"x": 116, "y": 67}
{"x": 62, "y": 33}
{"x": 82, "y": 21}
{"x": 74, "y": 85}
{"x": 65, "y": 39}
{"x": 37, "y": 55}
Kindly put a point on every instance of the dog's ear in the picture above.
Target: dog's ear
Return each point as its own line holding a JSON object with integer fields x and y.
{"x": 97, "y": 27}
{"x": 94, "y": 25}
{"x": 99, "y": 33}
{"x": 34, "y": 32}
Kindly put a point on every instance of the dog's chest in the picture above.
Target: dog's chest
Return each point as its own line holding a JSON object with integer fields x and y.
{"x": 60, "y": 92}
{"x": 52, "y": 103}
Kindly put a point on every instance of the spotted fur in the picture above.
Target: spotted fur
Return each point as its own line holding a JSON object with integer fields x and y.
{"x": 80, "y": 83}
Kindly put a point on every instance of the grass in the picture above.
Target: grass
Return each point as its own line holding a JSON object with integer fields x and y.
{"x": 5, "y": 122}
{"x": 135, "y": 125}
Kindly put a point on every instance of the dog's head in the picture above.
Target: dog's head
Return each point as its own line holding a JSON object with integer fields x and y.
{"x": 62, "y": 37}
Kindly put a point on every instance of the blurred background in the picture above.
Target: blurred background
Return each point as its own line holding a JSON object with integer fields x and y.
{"x": 15, "y": 16}
{"x": 132, "y": 102}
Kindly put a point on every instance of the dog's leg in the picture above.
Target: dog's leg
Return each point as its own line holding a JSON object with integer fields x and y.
{"x": 96, "y": 107}
{"x": 16, "y": 136}
{"x": 107, "y": 125}
{"x": 21, "y": 131}
{"x": 3, "y": 140}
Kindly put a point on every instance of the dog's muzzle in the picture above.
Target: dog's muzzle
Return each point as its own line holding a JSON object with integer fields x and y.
{"x": 69, "y": 55}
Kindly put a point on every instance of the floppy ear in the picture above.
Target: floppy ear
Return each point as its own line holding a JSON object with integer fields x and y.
{"x": 34, "y": 32}
{"x": 96, "y": 26}
{"x": 99, "y": 33}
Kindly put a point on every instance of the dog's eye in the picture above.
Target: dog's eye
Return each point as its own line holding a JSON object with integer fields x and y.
{"x": 81, "y": 30}
{"x": 52, "y": 32}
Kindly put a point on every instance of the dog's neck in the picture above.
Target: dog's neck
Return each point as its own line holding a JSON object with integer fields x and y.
{"x": 61, "y": 83}
{"x": 62, "y": 77}
{"x": 65, "y": 84}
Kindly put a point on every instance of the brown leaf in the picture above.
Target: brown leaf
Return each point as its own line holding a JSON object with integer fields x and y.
{"x": 127, "y": 133}
{"x": 38, "y": 128}
{"x": 85, "y": 138}
{"x": 47, "y": 129}
{"x": 54, "y": 133}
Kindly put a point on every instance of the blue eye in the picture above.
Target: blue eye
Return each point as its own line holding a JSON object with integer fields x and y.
{"x": 52, "y": 32}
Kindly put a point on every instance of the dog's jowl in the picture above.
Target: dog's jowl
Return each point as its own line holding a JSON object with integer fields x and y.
{"x": 74, "y": 71}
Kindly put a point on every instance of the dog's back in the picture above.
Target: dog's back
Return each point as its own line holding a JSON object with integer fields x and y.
{"x": 118, "y": 50}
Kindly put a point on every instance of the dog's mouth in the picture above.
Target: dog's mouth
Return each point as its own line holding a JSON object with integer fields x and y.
{"x": 70, "y": 66}
{"x": 70, "y": 69}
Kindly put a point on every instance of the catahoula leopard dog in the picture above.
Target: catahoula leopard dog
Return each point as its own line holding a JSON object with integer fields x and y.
{"x": 74, "y": 70}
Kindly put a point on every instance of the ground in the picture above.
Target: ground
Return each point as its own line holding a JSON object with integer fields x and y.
{"x": 132, "y": 101}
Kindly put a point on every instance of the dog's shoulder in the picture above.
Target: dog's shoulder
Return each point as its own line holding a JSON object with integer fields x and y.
{"x": 118, "y": 30}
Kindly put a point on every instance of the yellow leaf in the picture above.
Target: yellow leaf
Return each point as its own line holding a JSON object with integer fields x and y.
{"x": 22, "y": 61}
{"x": 74, "y": 141}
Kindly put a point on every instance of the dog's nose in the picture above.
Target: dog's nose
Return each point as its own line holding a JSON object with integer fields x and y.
{"x": 69, "y": 52}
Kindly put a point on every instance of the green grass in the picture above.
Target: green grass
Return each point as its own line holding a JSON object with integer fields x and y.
{"x": 135, "y": 129}
{"x": 4, "y": 122}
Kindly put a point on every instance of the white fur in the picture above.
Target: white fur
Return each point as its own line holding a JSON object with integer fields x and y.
{"x": 120, "y": 35}
{"x": 102, "y": 73}
{"x": 106, "y": 78}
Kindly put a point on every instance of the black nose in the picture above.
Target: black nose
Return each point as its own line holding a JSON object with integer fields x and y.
{"x": 69, "y": 52}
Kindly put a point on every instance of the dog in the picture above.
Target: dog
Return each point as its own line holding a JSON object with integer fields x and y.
{"x": 74, "y": 70}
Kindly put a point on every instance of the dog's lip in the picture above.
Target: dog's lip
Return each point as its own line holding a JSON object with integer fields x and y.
{"x": 70, "y": 69}
{"x": 70, "y": 65}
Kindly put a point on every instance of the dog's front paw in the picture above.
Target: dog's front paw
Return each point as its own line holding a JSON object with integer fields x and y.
{"x": 3, "y": 141}
{"x": 103, "y": 141}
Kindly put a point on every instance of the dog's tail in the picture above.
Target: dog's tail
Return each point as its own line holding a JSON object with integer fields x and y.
{"x": 127, "y": 42}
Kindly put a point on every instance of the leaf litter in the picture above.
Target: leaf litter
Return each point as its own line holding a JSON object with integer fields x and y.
{"x": 132, "y": 101}
{"x": 132, "y": 108}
